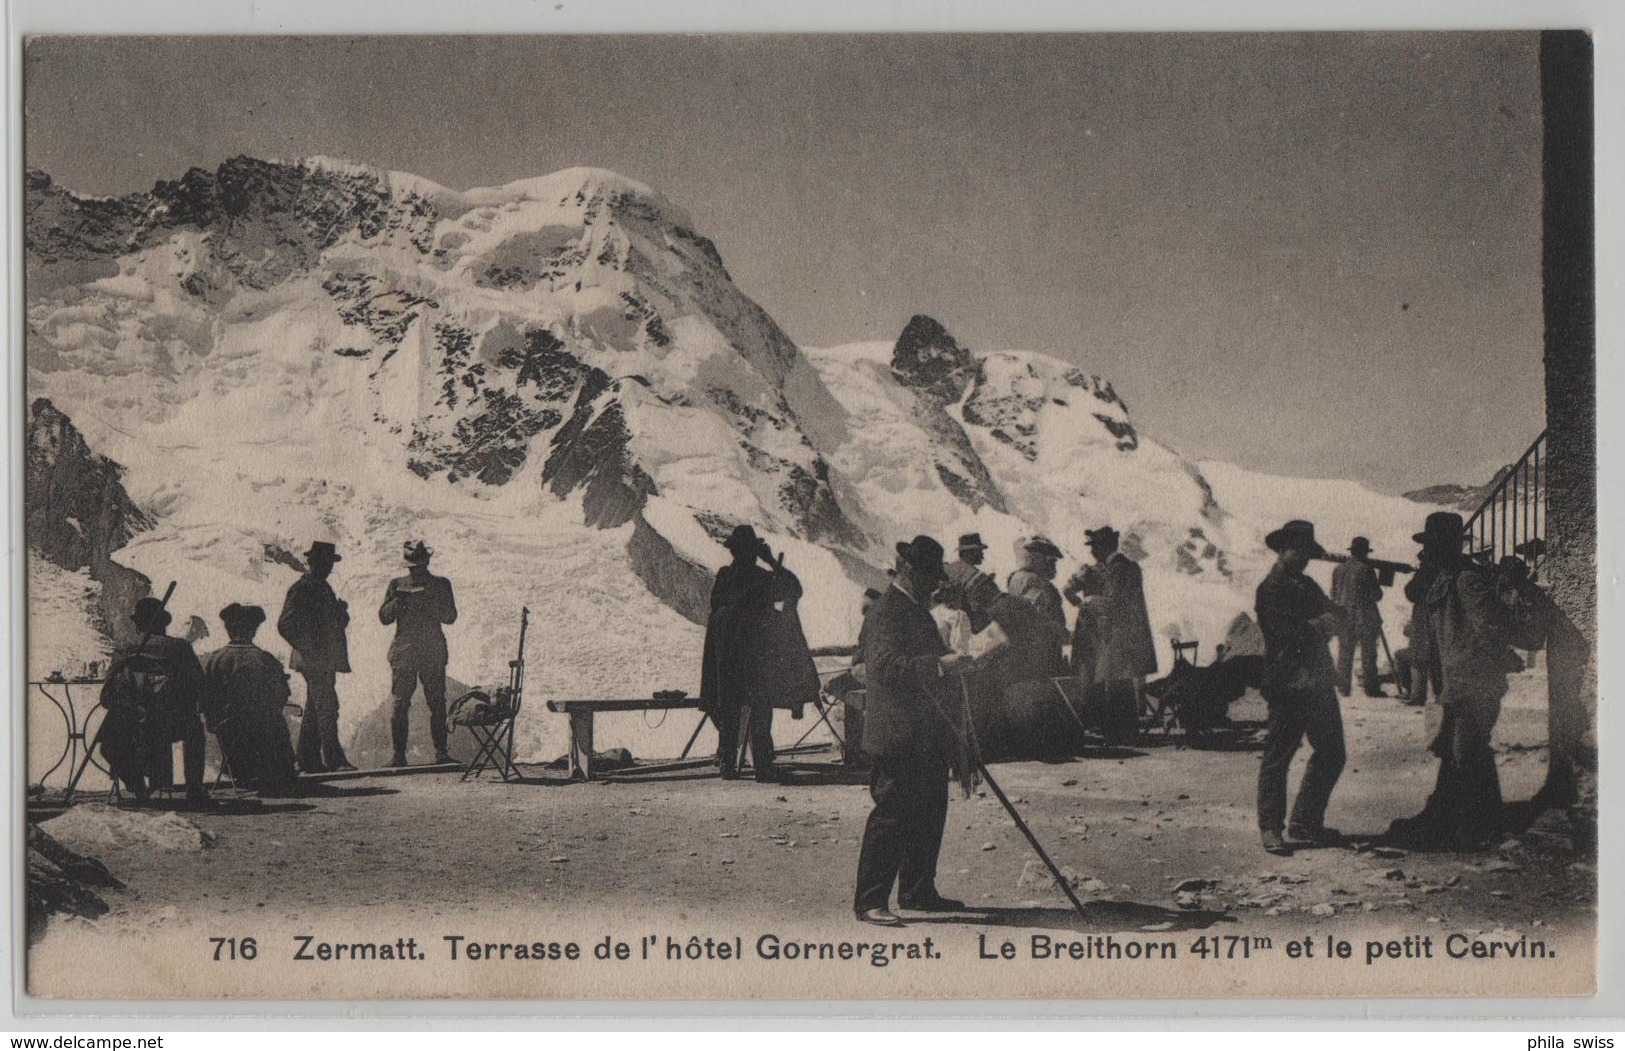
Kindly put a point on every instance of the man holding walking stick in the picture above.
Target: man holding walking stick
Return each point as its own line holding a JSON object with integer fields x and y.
{"x": 909, "y": 738}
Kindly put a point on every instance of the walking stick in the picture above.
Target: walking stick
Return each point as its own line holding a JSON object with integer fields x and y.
{"x": 67, "y": 795}
{"x": 1004, "y": 800}
{"x": 1403, "y": 689}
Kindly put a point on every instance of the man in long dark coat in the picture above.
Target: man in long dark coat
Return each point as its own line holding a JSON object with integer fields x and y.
{"x": 418, "y": 604}
{"x": 754, "y": 653}
{"x": 1125, "y": 652}
{"x": 154, "y": 696}
{"x": 1300, "y": 686}
{"x": 246, "y": 690}
{"x": 314, "y": 621}
{"x": 1466, "y": 631}
{"x": 1356, "y": 589}
{"x": 910, "y": 739}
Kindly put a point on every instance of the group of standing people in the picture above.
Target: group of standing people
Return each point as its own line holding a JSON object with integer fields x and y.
{"x": 919, "y": 730}
{"x": 158, "y": 692}
{"x": 1465, "y": 615}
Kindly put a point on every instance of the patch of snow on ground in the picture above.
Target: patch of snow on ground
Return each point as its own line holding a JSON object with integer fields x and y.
{"x": 91, "y": 827}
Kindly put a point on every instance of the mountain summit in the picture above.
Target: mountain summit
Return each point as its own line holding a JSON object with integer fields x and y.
{"x": 557, "y": 384}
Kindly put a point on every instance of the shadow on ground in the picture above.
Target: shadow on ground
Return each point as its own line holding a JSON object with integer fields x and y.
{"x": 1097, "y": 917}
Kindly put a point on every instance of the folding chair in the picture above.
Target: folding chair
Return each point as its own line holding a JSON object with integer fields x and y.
{"x": 490, "y": 718}
{"x": 1160, "y": 712}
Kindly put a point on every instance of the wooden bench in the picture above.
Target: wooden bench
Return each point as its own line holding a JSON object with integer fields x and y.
{"x": 581, "y": 714}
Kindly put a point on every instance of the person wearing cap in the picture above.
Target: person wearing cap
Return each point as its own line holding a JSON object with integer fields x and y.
{"x": 741, "y": 674}
{"x": 1465, "y": 628}
{"x": 1356, "y": 589}
{"x": 418, "y": 604}
{"x": 153, "y": 696}
{"x": 1034, "y": 584}
{"x": 245, "y": 691}
{"x": 1112, "y": 614}
{"x": 909, "y": 738}
{"x": 1300, "y": 686}
{"x": 958, "y": 620}
{"x": 314, "y": 623}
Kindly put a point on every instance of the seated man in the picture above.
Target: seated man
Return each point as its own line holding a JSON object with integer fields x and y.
{"x": 152, "y": 695}
{"x": 246, "y": 690}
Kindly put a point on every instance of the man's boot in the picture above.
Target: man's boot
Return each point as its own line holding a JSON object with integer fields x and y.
{"x": 398, "y": 730}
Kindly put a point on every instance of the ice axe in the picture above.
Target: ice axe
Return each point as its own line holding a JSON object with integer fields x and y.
{"x": 973, "y": 751}
{"x": 90, "y": 751}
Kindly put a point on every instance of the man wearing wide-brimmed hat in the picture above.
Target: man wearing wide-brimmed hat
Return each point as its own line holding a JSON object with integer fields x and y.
{"x": 1356, "y": 589}
{"x": 153, "y": 696}
{"x": 755, "y": 656}
{"x": 1465, "y": 628}
{"x": 315, "y": 622}
{"x": 1300, "y": 685}
{"x": 418, "y": 604}
{"x": 909, "y": 738}
{"x": 246, "y": 692}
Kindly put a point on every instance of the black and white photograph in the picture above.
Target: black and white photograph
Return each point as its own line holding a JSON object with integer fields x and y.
{"x": 909, "y": 516}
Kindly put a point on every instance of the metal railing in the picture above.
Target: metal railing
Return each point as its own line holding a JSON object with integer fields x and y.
{"x": 1512, "y": 518}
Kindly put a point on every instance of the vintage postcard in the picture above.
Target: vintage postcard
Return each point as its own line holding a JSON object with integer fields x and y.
{"x": 810, "y": 517}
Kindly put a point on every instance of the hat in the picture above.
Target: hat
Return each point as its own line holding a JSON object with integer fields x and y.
{"x": 1359, "y": 546}
{"x": 320, "y": 550}
{"x": 744, "y": 538}
{"x": 1104, "y": 535}
{"x": 417, "y": 553}
{"x": 245, "y": 616}
{"x": 1443, "y": 529}
{"x": 1042, "y": 543}
{"x": 150, "y": 615}
{"x": 924, "y": 554}
{"x": 972, "y": 542}
{"x": 1296, "y": 534}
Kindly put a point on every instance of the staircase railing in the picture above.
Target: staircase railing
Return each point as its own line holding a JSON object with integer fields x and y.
{"x": 1512, "y": 518}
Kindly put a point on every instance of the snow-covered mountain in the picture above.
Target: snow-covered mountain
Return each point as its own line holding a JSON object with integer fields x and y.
{"x": 558, "y": 385}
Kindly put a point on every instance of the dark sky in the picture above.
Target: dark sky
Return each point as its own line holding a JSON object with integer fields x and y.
{"x": 1315, "y": 255}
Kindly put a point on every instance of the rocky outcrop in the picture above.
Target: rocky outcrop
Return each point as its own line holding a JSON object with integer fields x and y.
{"x": 929, "y": 361}
{"x": 679, "y": 582}
{"x": 1464, "y": 498}
{"x": 1010, "y": 411}
{"x": 267, "y": 220}
{"x": 62, "y": 882}
{"x": 77, "y": 511}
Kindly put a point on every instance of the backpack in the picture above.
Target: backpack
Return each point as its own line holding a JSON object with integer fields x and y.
{"x": 1526, "y": 618}
{"x": 144, "y": 689}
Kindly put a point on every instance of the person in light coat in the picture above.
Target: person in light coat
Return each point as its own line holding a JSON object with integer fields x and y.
{"x": 1034, "y": 584}
{"x": 1356, "y": 589}
{"x": 418, "y": 604}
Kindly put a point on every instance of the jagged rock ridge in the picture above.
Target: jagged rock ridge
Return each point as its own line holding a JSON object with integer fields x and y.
{"x": 77, "y": 512}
